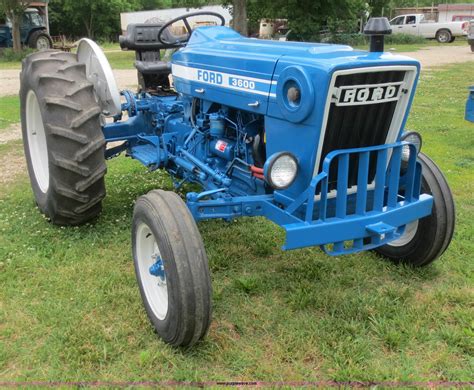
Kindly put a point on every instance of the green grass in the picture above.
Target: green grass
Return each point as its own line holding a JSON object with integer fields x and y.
{"x": 118, "y": 59}
{"x": 71, "y": 308}
{"x": 9, "y": 111}
{"x": 121, "y": 59}
{"x": 411, "y": 47}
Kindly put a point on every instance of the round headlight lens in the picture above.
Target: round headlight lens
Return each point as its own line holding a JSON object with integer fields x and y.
{"x": 281, "y": 170}
{"x": 414, "y": 138}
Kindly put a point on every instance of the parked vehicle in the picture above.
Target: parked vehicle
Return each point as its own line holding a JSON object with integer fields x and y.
{"x": 470, "y": 105}
{"x": 310, "y": 136}
{"x": 470, "y": 35}
{"x": 33, "y": 31}
{"x": 462, "y": 18}
{"x": 416, "y": 24}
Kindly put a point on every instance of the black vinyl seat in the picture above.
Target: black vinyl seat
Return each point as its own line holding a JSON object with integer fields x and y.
{"x": 155, "y": 67}
{"x": 153, "y": 73}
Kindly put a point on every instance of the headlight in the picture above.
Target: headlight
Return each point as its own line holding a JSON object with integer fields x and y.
{"x": 280, "y": 170}
{"x": 414, "y": 138}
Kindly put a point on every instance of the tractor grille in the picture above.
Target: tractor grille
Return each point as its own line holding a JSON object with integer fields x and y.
{"x": 359, "y": 125}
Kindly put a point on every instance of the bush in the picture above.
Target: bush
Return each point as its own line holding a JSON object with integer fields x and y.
{"x": 404, "y": 39}
{"x": 347, "y": 39}
{"x": 362, "y": 40}
{"x": 8, "y": 55}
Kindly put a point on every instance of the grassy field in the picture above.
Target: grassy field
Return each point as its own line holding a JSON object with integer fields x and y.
{"x": 411, "y": 47}
{"x": 70, "y": 306}
{"x": 9, "y": 111}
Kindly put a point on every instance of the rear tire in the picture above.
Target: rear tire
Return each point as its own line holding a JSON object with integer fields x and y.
{"x": 426, "y": 239}
{"x": 472, "y": 47}
{"x": 177, "y": 293}
{"x": 444, "y": 36}
{"x": 63, "y": 141}
{"x": 40, "y": 40}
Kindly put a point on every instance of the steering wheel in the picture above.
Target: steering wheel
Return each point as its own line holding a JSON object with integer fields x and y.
{"x": 173, "y": 41}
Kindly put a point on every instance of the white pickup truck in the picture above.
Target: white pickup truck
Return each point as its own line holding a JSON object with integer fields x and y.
{"x": 470, "y": 36}
{"x": 416, "y": 24}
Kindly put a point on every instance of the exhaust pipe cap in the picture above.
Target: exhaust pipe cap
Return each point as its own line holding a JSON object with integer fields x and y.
{"x": 376, "y": 29}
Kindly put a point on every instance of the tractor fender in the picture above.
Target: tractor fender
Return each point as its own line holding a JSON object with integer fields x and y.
{"x": 31, "y": 32}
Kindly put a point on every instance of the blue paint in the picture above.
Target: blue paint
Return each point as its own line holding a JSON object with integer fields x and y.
{"x": 233, "y": 112}
{"x": 470, "y": 105}
{"x": 158, "y": 269}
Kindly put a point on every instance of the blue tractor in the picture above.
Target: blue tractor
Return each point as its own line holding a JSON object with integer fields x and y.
{"x": 470, "y": 105}
{"x": 33, "y": 31}
{"x": 310, "y": 136}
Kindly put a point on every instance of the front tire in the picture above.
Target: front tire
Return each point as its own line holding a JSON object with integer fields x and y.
{"x": 426, "y": 239}
{"x": 444, "y": 36}
{"x": 171, "y": 268}
{"x": 472, "y": 47}
{"x": 63, "y": 140}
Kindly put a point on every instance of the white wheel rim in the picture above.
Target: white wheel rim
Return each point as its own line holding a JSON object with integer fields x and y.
{"x": 42, "y": 43}
{"x": 37, "y": 141}
{"x": 443, "y": 37}
{"x": 407, "y": 236}
{"x": 155, "y": 288}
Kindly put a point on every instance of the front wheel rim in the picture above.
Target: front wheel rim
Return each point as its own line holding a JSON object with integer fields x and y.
{"x": 407, "y": 236}
{"x": 37, "y": 145}
{"x": 154, "y": 287}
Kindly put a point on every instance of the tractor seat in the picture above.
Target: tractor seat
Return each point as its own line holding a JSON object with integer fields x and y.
{"x": 152, "y": 71}
{"x": 153, "y": 67}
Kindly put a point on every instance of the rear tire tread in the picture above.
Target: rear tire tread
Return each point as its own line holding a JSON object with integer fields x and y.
{"x": 86, "y": 116}
{"x": 74, "y": 137}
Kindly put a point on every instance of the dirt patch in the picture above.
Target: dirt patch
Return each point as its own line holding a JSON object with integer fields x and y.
{"x": 10, "y": 82}
{"x": 13, "y": 163}
{"x": 11, "y": 133}
{"x": 126, "y": 79}
{"x": 434, "y": 56}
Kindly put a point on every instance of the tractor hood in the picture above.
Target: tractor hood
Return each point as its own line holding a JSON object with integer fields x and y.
{"x": 260, "y": 76}
{"x": 239, "y": 71}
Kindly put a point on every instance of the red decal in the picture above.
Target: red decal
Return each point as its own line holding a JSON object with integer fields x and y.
{"x": 221, "y": 146}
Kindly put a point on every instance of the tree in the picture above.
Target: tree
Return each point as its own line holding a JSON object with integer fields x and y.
{"x": 239, "y": 16}
{"x": 96, "y": 19}
{"x": 14, "y": 10}
{"x": 306, "y": 18}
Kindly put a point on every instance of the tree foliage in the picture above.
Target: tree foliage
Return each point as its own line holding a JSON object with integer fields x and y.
{"x": 92, "y": 18}
{"x": 100, "y": 19}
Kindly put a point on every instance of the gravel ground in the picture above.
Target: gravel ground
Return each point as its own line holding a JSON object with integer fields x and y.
{"x": 11, "y": 133}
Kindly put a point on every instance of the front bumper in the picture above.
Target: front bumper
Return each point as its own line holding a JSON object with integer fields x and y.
{"x": 386, "y": 198}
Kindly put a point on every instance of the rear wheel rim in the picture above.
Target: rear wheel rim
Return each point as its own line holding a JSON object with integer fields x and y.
{"x": 407, "y": 236}
{"x": 42, "y": 43}
{"x": 154, "y": 287}
{"x": 37, "y": 145}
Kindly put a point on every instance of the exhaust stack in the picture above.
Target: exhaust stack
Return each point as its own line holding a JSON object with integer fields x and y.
{"x": 376, "y": 29}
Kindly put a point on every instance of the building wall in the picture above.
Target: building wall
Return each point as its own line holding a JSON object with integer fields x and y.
{"x": 441, "y": 13}
{"x": 127, "y": 18}
{"x": 447, "y": 11}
